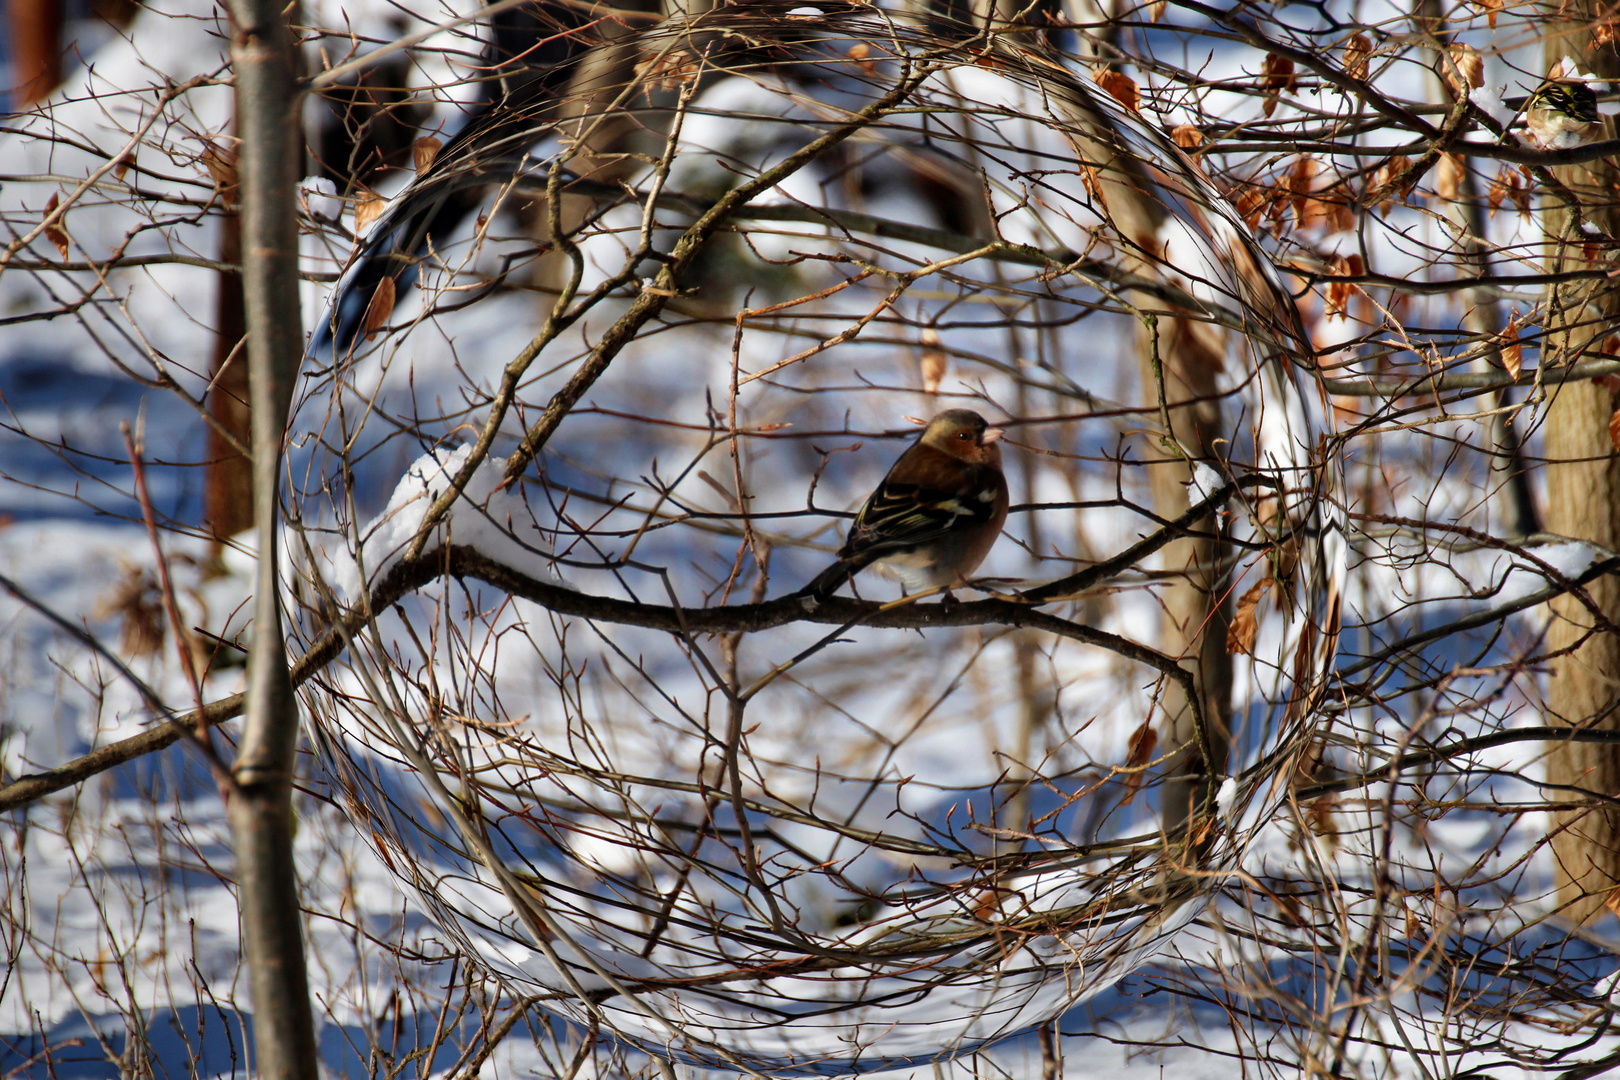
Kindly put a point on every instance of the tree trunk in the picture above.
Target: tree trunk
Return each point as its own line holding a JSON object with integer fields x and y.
{"x": 1583, "y": 501}
{"x": 228, "y": 495}
{"x": 1194, "y": 615}
{"x": 265, "y": 59}
{"x": 36, "y": 49}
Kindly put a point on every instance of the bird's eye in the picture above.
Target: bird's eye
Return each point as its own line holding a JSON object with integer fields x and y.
{"x": 964, "y": 435}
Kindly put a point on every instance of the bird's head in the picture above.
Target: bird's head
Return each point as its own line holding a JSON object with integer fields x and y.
{"x": 964, "y": 434}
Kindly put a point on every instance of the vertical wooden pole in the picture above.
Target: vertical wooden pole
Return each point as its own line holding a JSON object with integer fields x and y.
{"x": 35, "y": 30}
{"x": 268, "y": 102}
{"x": 1583, "y": 502}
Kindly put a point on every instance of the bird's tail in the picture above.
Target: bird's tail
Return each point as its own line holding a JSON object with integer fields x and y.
{"x": 824, "y": 584}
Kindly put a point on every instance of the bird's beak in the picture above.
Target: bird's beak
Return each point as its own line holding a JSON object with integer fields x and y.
{"x": 991, "y": 434}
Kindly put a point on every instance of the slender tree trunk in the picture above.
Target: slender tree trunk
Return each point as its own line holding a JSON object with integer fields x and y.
{"x": 35, "y": 29}
{"x": 268, "y": 100}
{"x": 228, "y": 494}
{"x": 1583, "y": 501}
{"x": 1482, "y": 310}
{"x": 1195, "y": 613}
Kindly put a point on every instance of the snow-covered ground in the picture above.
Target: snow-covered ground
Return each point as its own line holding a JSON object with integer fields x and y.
{"x": 120, "y": 931}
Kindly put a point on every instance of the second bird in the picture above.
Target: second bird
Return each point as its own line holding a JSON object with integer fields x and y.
{"x": 936, "y": 515}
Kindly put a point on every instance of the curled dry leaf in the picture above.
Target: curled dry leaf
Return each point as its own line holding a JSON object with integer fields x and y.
{"x": 54, "y": 231}
{"x": 1357, "y": 56}
{"x": 1448, "y": 176}
{"x": 667, "y": 69}
{"x": 1156, "y": 10}
{"x": 1604, "y": 32}
{"x": 1389, "y": 182}
{"x": 932, "y": 360}
{"x": 424, "y": 150}
{"x": 1144, "y": 740}
{"x": 1299, "y": 183}
{"x": 1490, "y": 8}
{"x": 1251, "y": 205}
{"x": 1187, "y": 136}
{"x": 1501, "y": 188}
{"x": 221, "y": 165}
{"x": 381, "y": 306}
{"x": 1121, "y": 86}
{"x": 1245, "y": 625}
{"x": 1341, "y": 213}
{"x": 861, "y": 53}
{"x": 1093, "y": 185}
{"x": 1464, "y": 69}
{"x": 1510, "y": 348}
{"x": 1336, "y": 298}
{"x": 137, "y": 602}
{"x": 1276, "y": 79}
{"x": 1319, "y": 816}
{"x": 368, "y": 207}
{"x": 122, "y": 164}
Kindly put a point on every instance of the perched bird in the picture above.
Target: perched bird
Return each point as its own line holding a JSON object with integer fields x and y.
{"x": 935, "y": 516}
{"x": 1562, "y": 115}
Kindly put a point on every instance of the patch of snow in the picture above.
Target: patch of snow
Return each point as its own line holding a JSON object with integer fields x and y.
{"x": 490, "y": 515}
{"x": 1205, "y": 482}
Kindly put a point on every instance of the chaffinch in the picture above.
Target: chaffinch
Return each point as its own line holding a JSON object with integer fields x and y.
{"x": 1562, "y": 115}
{"x": 935, "y": 516}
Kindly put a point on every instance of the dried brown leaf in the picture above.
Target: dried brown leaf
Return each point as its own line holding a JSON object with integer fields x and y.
{"x": 1389, "y": 182}
{"x": 380, "y": 307}
{"x": 424, "y": 150}
{"x": 121, "y": 166}
{"x": 861, "y": 53}
{"x": 1245, "y": 625}
{"x": 1490, "y": 7}
{"x": 1357, "y": 56}
{"x": 1336, "y": 299}
{"x": 1499, "y": 188}
{"x": 54, "y": 231}
{"x": 1512, "y": 352}
{"x": 1251, "y": 205}
{"x": 1342, "y": 215}
{"x": 1093, "y": 184}
{"x": 1319, "y": 816}
{"x": 1448, "y": 176}
{"x": 1300, "y": 181}
{"x": 1144, "y": 740}
{"x": 1276, "y": 79}
{"x": 1121, "y": 86}
{"x": 932, "y": 361}
{"x": 368, "y": 206}
{"x": 668, "y": 70}
{"x": 138, "y": 604}
{"x": 221, "y": 165}
{"x": 1413, "y": 928}
{"x": 1463, "y": 68}
{"x": 1156, "y": 10}
{"x": 1187, "y": 136}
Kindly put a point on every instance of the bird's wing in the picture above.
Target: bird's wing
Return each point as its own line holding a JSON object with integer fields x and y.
{"x": 901, "y": 516}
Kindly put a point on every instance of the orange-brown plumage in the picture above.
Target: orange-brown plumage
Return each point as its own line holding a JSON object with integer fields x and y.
{"x": 935, "y": 516}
